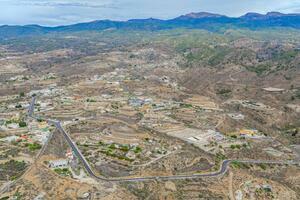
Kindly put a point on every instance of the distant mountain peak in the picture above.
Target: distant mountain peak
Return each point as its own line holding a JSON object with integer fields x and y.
{"x": 144, "y": 20}
{"x": 279, "y": 14}
{"x": 275, "y": 14}
{"x": 200, "y": 15}
{"x": 253, "y": 15}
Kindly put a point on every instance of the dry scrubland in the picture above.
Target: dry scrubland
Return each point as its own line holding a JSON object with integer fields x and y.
{"x": 140, "y": 104}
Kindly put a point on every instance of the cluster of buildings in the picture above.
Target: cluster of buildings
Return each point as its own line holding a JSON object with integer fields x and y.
{"x": 18, "y": 78}
{"x": 49, "y": 91}
{"x": 70, "y": 160}
{"x": 138, "y": 102}
{"x": 49, "y": 76}
{"x": 38, "y": 132}
{"x": 250, "y": 189}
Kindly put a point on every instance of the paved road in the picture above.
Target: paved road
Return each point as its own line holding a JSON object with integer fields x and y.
{"x": 31, "y": 107}
{"x": 224, "y": 166}
{"x": 11, "y": 183}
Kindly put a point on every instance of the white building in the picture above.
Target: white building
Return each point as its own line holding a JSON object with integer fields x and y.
{"x": 58, "y": 163}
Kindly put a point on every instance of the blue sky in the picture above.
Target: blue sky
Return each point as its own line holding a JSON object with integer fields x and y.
{"x": 59, "y": 12}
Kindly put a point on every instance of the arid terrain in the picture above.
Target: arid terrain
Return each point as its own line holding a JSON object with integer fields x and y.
{"x": 168, "y": 103}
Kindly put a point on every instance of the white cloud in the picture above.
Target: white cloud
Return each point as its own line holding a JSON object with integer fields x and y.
{"x": 70, "y": 3}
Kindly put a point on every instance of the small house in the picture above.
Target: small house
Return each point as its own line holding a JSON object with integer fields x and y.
{"x": 58, "y": 163}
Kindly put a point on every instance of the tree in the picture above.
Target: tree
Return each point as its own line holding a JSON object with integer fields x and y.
{"x": 22, "y": 124}
{"x": 22, "y": 94}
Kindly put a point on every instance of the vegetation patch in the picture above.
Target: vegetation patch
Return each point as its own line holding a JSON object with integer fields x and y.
{"x": 239, "y": 165}
{"x": 63, "y": 171}
{"x": 91, "y": 100}
{"x": 262, "y": 166}
{"x": 235, "y": 146}
{"x": 22, "y": 124}
{"x": 185, "y": 105}
{"x": 12, "y": 169}
{"x": 259, "y": 69}
{"x": 218, "y": 159}
{"x": 33, "y": 146}
{"x": 118, "y": 151}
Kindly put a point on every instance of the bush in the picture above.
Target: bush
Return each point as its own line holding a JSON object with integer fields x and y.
{"x": 112, "y": 146}
{"x": 40, "y": 120}
{"x": 262, "y": 166}
{"x": 22, "y": 124}
{"x": 90, "y": 100}
{"x": 34, "y": 146}
{"x": 137, "y": 150}
{"x": 220, "y": 156}
{"x": 124, "y": 148}
{"x": 237, "y": 146}
{"x": 22, "y": 94}
{"x": 184, "y": 105}
{"x": 223, "y": 91}
{"x": 18, "y": 106}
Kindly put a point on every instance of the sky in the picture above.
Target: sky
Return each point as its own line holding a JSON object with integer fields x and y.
{"x": 63, "y": 12}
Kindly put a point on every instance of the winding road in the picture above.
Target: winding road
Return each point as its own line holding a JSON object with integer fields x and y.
{"x": 223, "y": 169}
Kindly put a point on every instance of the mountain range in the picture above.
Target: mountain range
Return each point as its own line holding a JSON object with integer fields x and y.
{"x": 201, "y": 20}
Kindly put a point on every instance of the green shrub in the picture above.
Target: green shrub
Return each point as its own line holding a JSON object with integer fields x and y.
{"x": 63, "y": 172}
{"x": 22, "y": 124}
{"x": 40, "y": 120}
{"x": 124, "y": 148}
{"x": 137, "y": 149}
{"x": 112, "y": 146}
{"x": 223, "y": 91}
{"x": 184, "y": 105}
{"x": 90, "y": 100}
{"x": 18, "y": 106}
{"x": 237, "y": 146}
{"x": 22, "y": 94}
{"x": 262, "y": 166}
{"x": 34, "y": 146}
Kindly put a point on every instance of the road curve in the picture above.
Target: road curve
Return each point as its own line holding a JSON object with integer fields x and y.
{"x": 223, "y": 169}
